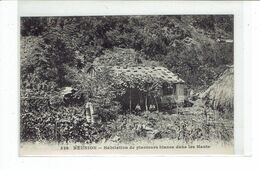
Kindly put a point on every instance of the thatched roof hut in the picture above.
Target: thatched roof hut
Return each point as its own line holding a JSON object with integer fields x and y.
{"x": 145, "y": 85}
{"x": 220, "y": 95}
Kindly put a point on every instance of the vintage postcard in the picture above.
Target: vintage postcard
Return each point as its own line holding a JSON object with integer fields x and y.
{"x": 127, "y": 84}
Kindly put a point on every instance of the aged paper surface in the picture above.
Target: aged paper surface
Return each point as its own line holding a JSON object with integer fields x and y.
{"x": 132, "y": 84}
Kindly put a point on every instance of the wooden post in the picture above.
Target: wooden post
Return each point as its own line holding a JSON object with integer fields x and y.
{"x": 146, "y": 107}
{"x": 177, "y": 107}
{"x": 130, "y": 101}
{"x": 176, "y": 102}
{"x": 157, "y": 108}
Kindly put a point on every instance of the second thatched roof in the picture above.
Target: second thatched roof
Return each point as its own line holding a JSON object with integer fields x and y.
{"x": 220, "y": 95}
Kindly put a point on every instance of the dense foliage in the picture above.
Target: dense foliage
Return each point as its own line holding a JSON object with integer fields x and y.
{"x": 57, "y": 52}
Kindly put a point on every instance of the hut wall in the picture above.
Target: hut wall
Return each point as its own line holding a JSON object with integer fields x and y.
{"x": 180, "y": 92}
{"x": 168, "y": 95}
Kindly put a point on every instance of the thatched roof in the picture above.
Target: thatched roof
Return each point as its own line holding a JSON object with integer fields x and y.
{"x": 141, "y": 71}
{"x": 220, "y": 95}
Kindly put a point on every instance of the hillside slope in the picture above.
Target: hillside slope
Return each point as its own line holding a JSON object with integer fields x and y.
{"x": 192, "y": 46}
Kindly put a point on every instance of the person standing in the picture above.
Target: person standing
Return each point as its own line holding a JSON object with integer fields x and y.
{"x": 89, "y": 112}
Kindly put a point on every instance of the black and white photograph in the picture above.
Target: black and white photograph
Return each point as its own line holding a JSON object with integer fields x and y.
{"x": 127, "y": 84}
